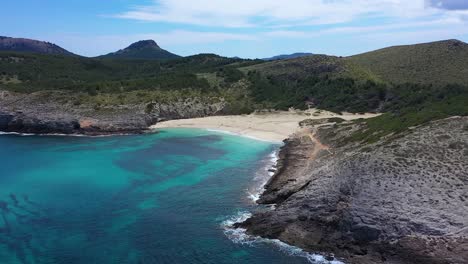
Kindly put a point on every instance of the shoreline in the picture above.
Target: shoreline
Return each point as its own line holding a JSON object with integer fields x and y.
{"x": 95, "y": 135}
{"x": 239, "y": 235}
{"x": 273, "y": 127}
{"x": 303, "y": 221}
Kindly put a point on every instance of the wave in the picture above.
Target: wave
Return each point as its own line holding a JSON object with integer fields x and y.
{"x": 16, "y": 133}
{"x": 222, "y": 131}
{"x": 262, "y": 177}
{"x": 59, "y": 135}
{"x": 239, "y": 134}
{"x": 240, "y": 236}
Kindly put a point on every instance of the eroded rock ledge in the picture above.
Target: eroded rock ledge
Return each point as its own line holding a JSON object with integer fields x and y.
{"x": 54, "y": 112}
{"x": 400, "y": 200}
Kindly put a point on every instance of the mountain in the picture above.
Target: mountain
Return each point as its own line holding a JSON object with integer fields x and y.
{"x": 144, "y": 49}
{"x": 288, "y": 56}
{"x": 438, "y": 62}
{"x": 31, "y": 45}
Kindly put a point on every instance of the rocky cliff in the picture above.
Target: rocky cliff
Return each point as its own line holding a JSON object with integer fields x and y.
{"x": 401, "y": 200}
{"x": 39, "y": 113}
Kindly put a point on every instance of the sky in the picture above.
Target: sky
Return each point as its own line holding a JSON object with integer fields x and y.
{"x": 243, "y": 28}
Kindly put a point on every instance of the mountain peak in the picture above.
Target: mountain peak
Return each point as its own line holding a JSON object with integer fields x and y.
{"x": 143, "y": 49}
{"x": 142, "y": 44}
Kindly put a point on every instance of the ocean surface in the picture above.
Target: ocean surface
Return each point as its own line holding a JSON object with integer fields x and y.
{"x": 157, "y": 198}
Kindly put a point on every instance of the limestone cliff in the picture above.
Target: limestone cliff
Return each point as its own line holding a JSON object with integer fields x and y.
{"x": 403, "y": 199}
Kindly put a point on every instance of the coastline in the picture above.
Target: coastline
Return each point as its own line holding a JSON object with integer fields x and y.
{"x": 240, "y": 235}
{"x": 267, "y": 126}
{"x": 324, "y": 214}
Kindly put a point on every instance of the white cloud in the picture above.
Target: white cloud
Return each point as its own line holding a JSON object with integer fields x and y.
{"x": 439, "y": 25}
{"x": 282, "y": 13}
{"x": 269, "y": 13}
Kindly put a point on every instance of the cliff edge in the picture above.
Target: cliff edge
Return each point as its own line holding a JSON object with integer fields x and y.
{"x": 401, "y": 200}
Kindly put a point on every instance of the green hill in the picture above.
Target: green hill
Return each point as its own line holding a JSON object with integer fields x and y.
{"x": 142, "y": 50}
{"x": 314, "y": 66}
{"x": 438, "y": 63}
{"x": 362, "y": 83}
{"x": 25, "y": 72}
{"x": 441, "y": 62}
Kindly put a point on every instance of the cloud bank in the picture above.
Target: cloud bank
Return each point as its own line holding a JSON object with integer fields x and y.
{"x": 287, "y": 13}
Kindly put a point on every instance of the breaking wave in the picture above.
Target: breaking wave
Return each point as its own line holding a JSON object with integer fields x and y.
{"x": 240, "y": 236}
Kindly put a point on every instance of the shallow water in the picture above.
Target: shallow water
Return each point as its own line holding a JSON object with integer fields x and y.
{"x": 156, "y": 198}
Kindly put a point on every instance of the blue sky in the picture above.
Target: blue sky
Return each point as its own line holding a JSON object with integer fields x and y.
{"x": 244, "y": 28}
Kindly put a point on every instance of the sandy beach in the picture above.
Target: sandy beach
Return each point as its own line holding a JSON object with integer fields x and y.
{"x": 268, "y": 126}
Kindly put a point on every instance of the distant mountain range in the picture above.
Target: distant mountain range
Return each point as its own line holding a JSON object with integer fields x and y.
{"x": 288, "y": 56}
{"x": 437, "y": 62}
{"x": 144, "y": 49}
{"x": 30, "y": 45}
{"x": 141, "y": 50}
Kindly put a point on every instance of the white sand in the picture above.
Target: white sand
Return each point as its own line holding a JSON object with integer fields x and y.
{"x": 274, "y": 127}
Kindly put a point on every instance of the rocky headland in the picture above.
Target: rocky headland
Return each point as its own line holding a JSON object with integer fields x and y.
{"x": 403, "y": 199}
{"x": 55, "y": 112}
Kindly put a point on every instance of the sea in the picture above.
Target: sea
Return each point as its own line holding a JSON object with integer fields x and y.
{"x": 165, "y": 197}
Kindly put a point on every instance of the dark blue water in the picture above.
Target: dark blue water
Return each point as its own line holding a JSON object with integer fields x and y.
{"x": 158, "y": 198}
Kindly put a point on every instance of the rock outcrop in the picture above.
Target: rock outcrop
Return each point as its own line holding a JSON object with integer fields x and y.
{"x": 33, "y": 113}
{"x": 401, "y": 200}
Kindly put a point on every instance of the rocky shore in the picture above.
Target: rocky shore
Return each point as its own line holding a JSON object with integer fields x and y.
{"x": 400, "y": 200}
{"x": 53, "y": 112}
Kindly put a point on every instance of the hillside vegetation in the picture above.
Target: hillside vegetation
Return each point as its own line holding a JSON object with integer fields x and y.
{"x": 411, "y": 84}
{"x": 435, "y": 63}
{"x": 314, "y": 65}
{"x": 45, "y": 72}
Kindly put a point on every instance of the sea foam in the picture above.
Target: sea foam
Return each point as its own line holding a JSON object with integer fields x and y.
{"x": 240, "y": 236}
{"x": 60, "y": 135}
{"x": 262, "y": 177}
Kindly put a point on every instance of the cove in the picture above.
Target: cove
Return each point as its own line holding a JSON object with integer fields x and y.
{"x": 154, "y": 198}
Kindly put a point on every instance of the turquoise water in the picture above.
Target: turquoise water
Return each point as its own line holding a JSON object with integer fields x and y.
{"x": 156, "y": 198}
